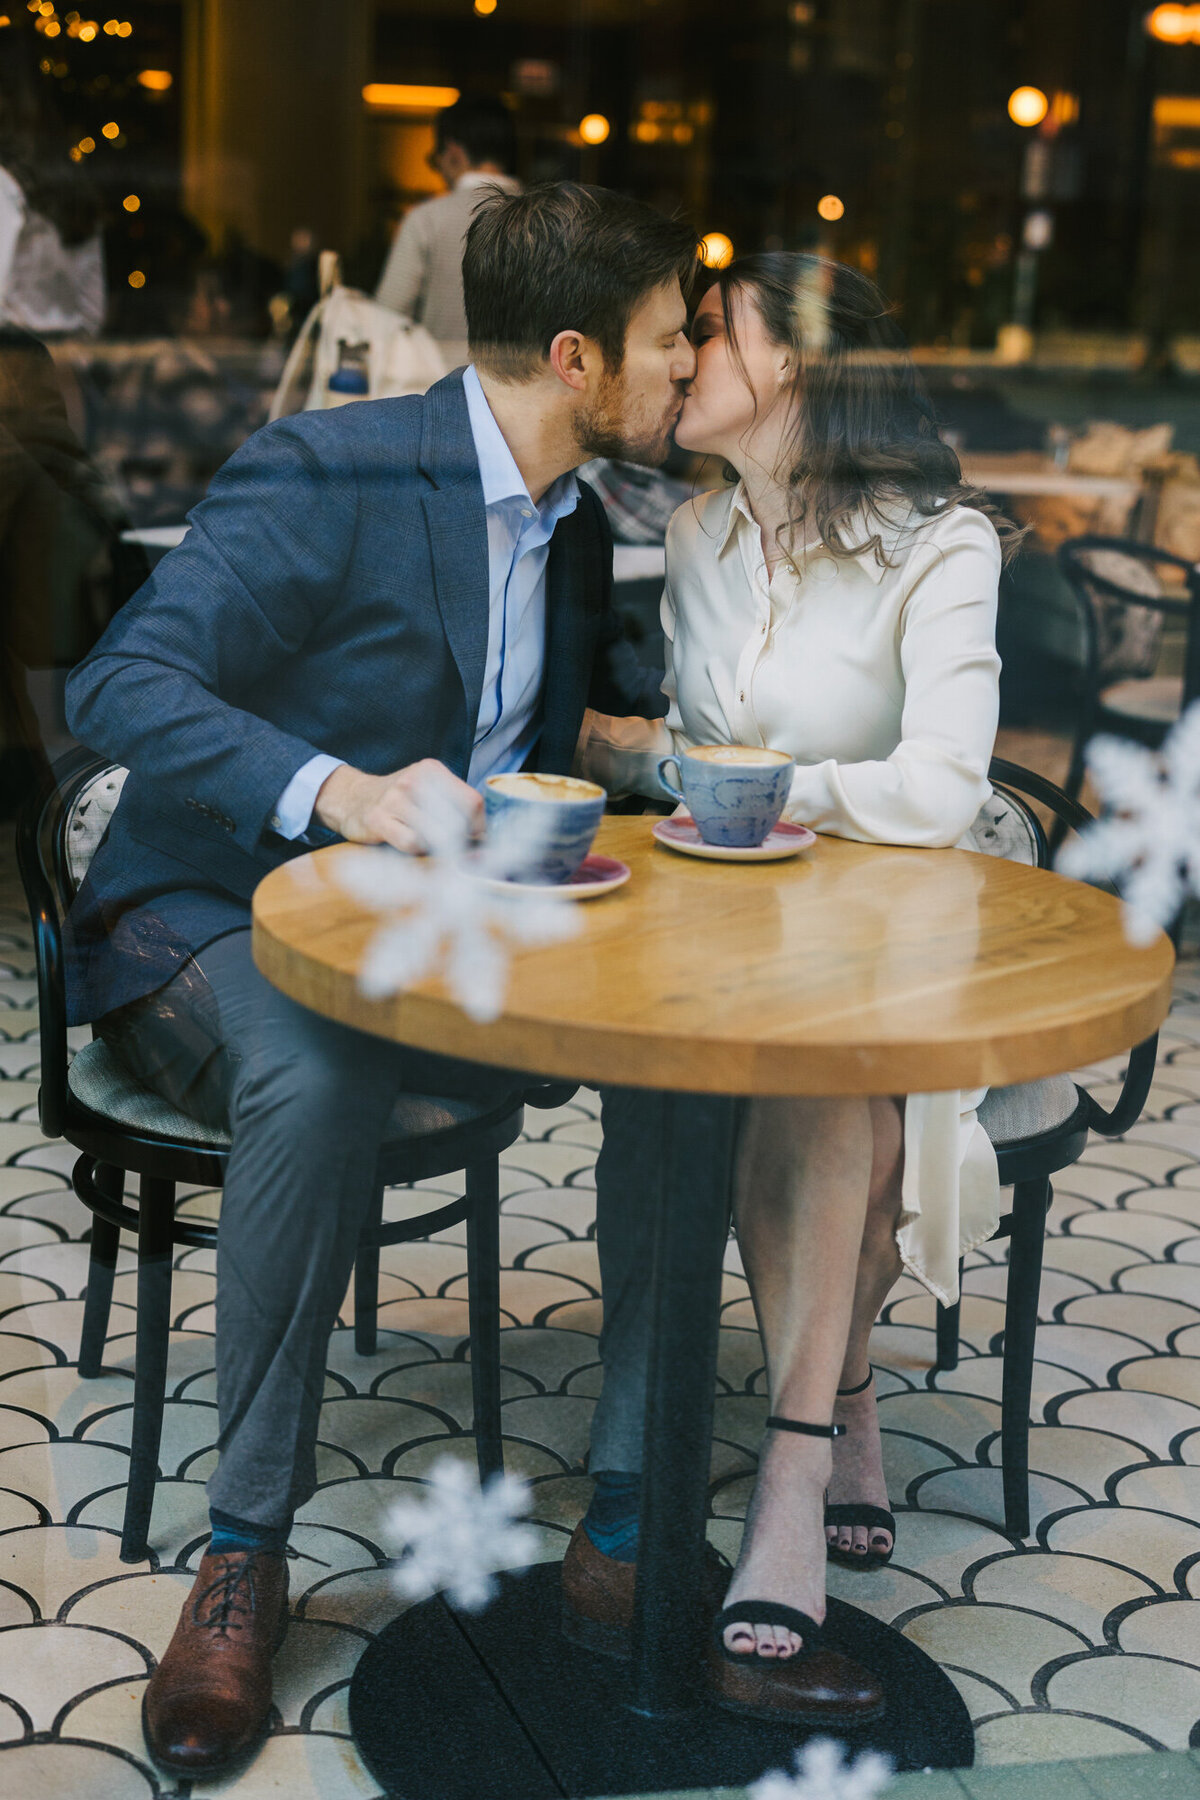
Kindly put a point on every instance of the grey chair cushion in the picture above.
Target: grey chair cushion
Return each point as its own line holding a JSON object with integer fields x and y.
{"x": 1008, "y": 1114}
{"x": 94, "y": 806}
{"x": 100, "y": 1082}
{"x": 1158, "y": 701}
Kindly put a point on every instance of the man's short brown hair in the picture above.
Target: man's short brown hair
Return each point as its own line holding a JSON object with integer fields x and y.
{"x": 564, "y": 257}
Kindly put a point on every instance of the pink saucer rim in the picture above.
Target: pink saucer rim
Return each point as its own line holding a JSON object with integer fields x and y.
{"x": 597, "y": 874}
{"x": 681, "y": 828}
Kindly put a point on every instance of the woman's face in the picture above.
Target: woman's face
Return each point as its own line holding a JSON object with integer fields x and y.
{"x": 727, "y": 409}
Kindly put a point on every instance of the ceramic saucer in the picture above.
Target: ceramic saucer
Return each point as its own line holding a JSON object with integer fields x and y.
{"x": 595, "y": 875}
{"x": 681, "y": 833}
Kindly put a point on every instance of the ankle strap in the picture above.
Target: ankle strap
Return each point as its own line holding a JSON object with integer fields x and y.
{"x": 844, "y": 1393}
{"x": 775, "y": 1423}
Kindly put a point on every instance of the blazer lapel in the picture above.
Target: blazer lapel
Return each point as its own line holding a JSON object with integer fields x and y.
{"x": 458, "y": 541}
{"x": 573, "y": 594}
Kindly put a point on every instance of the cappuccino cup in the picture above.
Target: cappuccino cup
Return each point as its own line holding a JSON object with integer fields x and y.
{"x": 734, "y": 792}
{"x": 568, "y": 811}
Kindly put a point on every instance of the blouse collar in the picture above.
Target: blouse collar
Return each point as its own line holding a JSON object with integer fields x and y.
{"x": 740, "y": 518}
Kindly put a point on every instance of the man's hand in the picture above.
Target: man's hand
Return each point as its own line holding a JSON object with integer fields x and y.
{"x": 394, "y": 809}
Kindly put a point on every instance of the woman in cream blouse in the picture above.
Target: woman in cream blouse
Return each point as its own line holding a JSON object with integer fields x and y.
{"x": 839, "y": 603}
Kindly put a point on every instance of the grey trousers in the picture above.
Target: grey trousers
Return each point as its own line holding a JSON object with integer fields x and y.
{"x": 307, "y": 1102}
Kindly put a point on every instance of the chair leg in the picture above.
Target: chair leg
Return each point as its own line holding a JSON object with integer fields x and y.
{"x": 947, "y": 1331}
{"x": 366, "y": 1282}
{"x": 102, "y": 1266}
{"x": 1031, "y": 1202}
{"x": 483, "y": 1295}
{"x": 156, "y": 1244}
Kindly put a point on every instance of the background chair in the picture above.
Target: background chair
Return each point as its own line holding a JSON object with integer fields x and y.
{"x": 120, "y": 1129}
{"x": 1122, "y": 608}
{"x": 1037, "y": 1128}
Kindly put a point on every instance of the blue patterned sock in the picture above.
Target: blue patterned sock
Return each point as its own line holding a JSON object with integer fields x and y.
{"x": 611, "y": 1521}
{"x": 230, "y": 1534}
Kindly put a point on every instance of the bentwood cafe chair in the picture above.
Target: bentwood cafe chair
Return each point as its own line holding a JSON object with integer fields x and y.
{"x": 120, "y": 1129}
{"x": 1037, "y": 1128}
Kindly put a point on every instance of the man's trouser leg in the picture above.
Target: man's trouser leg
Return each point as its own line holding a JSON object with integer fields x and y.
{"x": 307, "y": 1104}
{"x": 628, "y": 1171}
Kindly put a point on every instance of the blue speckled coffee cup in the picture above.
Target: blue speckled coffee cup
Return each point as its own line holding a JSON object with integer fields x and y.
{"x": 571, "y": 808}
{"x": 734, "y": 792}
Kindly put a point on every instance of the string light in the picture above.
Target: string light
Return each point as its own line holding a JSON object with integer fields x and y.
{"x": 157, "y": 81}
{"x": 716, "y": 250}
{"x": 87, "y": 145}
{"x": 485, "y": 8}
{"x": 136, "y": 278}
{"x": 111, "y": 130}
{"x": 131, "y": 203}
{"x": 594, "y": 128}
{"x": 1027, "y": 106}
{"x": 829, "y": 207}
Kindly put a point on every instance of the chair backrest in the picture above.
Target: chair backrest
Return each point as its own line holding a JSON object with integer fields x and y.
{"x": 1119, "y": 588}
{"x": 58, "y": 831}
{"x": 1006, "y": 826}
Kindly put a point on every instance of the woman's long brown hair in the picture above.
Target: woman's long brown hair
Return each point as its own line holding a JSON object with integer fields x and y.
{"x": 866, "y": 450}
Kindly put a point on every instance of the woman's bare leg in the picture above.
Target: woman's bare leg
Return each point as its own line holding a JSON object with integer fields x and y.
{"x": 858, "y": 1457}
{"x": 800, "y": 1201}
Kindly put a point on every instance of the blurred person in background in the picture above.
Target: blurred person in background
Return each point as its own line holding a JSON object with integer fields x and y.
{"x": 422, "y": 278}
{"x": 51, "y": 254}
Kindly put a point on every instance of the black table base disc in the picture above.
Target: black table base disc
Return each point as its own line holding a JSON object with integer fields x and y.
{"x": 455, "y": 1706}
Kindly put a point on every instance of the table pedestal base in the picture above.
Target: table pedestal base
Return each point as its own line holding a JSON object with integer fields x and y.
{"x": 450, "y": 1706}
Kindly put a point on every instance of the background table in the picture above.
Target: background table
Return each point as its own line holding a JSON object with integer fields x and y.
{"x": 853, "y": 969}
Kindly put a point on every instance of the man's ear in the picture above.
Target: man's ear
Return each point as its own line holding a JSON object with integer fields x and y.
{"x": 573, "y": 358}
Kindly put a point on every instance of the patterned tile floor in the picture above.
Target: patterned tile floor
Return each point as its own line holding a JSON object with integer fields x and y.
{"x": 1083, "y": 1642}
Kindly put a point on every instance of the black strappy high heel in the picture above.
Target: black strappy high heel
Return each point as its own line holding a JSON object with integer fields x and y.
{"x": 853, "y": 1513}
{"x": 773, "y": 1612}
{"x": 819, "y": 1687}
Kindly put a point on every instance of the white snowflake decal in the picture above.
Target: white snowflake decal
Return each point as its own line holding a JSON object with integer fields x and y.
{"x": 822, "y": 1774}
{"x": 1148, "y": 843}
{"x": 453, "y": 911}
{"x": 459, "y": 1535}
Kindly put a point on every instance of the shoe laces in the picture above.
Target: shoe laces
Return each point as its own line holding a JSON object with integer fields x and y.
{"x": 232, "y": 1593}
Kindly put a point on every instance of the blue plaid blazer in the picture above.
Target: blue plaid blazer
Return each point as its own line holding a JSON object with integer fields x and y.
{"x": 331, "y": 595}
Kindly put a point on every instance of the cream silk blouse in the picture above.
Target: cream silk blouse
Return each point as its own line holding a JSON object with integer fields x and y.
{"x": 882, "y": 683}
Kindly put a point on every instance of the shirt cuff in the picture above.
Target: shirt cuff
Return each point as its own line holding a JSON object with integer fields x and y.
{"x": 293, "y": 813}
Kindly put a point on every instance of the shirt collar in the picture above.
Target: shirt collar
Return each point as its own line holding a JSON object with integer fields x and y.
{"x": 740, "y": 518}
{"x": 474, "y": 178}
{"x": 498, "y": 471}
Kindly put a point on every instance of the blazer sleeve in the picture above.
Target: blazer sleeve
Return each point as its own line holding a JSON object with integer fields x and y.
{"x": 169, "y": 690}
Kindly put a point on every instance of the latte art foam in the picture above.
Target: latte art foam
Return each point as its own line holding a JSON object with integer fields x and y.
{"x": 743, "y": 755}
{"x": 531, "y": 786}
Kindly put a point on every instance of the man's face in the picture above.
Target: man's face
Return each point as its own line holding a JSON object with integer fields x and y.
{"x": 634, "y": 411}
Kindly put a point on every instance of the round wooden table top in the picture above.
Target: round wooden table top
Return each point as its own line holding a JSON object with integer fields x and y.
{"x": 851, "y": 969}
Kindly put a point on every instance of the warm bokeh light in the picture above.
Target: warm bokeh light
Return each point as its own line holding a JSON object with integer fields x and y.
{"x": 86, "y": 33}
{"x": 157, "y": 80}
{"x": 1174, "y": 24}
{"x": 830, "y": 207}
{"x": 111, "y": 130}
{"x": 485, "y": 8}
{"x": 125, "y": 29}
{"x": 111, "y": 27}
{"x": 53, "y": 28}
{"x": 1177, "y": 112}
{"x": 136, "y": 278}
{"x": 716, "y": 250}
{"x": 594, "y": 128}
{"x": 87, "y": 145}
{"x": 1027, "y": 106}
{"x": 401, "y": 96}
{"x": 131, "y": 203}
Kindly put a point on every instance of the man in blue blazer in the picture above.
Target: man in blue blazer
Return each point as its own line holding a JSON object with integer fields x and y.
{"x": 363, "y": 591}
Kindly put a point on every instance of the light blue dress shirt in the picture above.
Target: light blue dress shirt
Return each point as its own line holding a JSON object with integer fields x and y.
{"x": 519, "y": 533}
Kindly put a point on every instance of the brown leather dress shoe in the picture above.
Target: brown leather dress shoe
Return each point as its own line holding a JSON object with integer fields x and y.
{"x": 817, "y": 1687}
{"x": 597, "y": 1594}
{"x": 209, "y": 1699}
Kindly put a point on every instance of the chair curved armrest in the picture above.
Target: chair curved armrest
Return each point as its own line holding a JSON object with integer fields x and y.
{"x": 1128, "y": 1109}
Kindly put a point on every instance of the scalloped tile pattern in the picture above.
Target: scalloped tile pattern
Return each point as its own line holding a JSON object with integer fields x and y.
{"x": 1085, "y": 1641}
